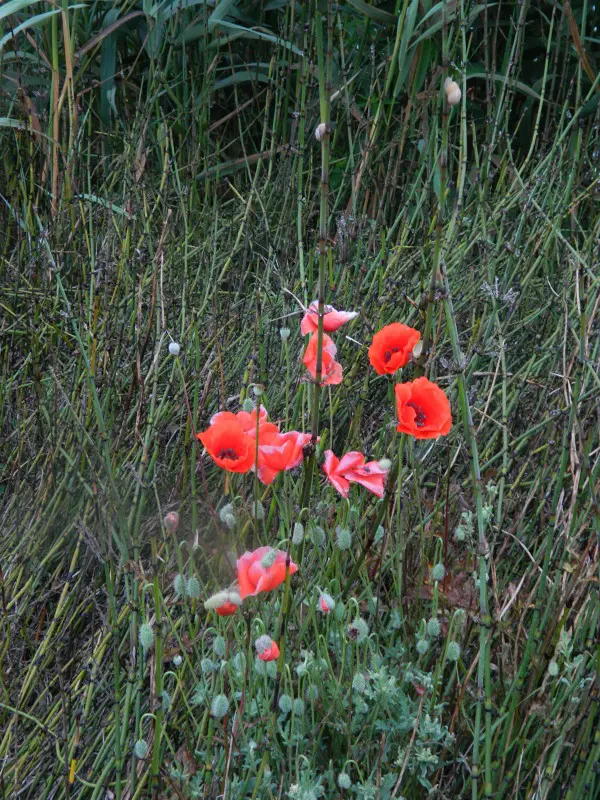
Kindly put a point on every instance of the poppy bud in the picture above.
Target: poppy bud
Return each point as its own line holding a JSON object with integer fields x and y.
{"x": 268, "y": 559}
{"x": 248, "y": 405}
{"x": 228, "y": 597}
{"x": 385, "y": 463}
{"x": 141, "y": 749}
{"x": 171, "y": 521}
{"x": 453, "y": 93}
{"x": 453, "y": 651}
{"x": 326, "y": 603}
{"x": 284, "y": 333}
{"x": 298, "y": 533}
{"x": 174, "y": 348}
{"x": 179, "y": 585}
{"x": 146, "y": 635}
{"x": 219, "y": 706}
{"x": 320, "y": 131}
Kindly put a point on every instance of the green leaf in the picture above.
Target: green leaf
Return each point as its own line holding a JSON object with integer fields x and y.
{"x": 14, "y": 6}
{"x": 376, "y": 14}
{"x": 474, "y": 72}
{"x": 220, "y": 12}
{"x": 244, "y": 76}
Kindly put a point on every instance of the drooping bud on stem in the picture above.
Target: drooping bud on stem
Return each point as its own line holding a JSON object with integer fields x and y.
{"x": 453, "y": 93}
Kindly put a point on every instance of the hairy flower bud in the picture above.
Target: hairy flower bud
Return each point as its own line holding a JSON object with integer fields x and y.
{"x": 171, "y": 521}
{"x": 219, "y": 706}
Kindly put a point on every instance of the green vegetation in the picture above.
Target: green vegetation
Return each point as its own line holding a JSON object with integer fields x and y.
{"x": 160, "y": 182}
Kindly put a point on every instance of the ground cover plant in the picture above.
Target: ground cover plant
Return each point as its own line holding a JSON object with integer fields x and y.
{"x": 299, "y": 461}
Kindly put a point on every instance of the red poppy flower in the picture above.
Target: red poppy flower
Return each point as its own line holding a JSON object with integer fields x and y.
{"x": 423, "y": 409}
{"x": 278, "y": 452}
{"x": 229, "y": 446}
{"x": 266, "y": 648}
{"x": 391, "y": 347}
{"x": 262, "y": 570}
{"x": 331, "y": 371}
{"x": 247, "y": 420}
{"x": 332, "y": 319}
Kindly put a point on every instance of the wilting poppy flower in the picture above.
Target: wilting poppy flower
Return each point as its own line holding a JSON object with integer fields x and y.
{"x": 371, "y": 475}
{"x": 280, "y": 451}
{"x": 229, "y": 446}
{"x": 391, "y": 347}
{"x": 224, "y": 603}
{"x": 335, "y": 469}
{"x": 332, "y": 319}
{"x": 351, "y": 468}
{"x": 331, "y": 371}
{"x": 423, "y": 409}
{"x": 266, "y": 648}
{"x": 262, "y": 570}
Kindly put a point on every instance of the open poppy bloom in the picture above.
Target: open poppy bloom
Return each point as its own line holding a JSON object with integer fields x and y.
{"x": 423, "y": 409}
{"x": 262, "y": 570}
{"x": 224, "y": 603}
{"x": 391, "y": 347}
{"x": 247, "y": 421}
{"x": 332, "y": 319}
{"x": 331, "y": 371}
{"x": 266, "y": 648}
{"x": 278, "y": 452}
{"x": 229, "y": 445}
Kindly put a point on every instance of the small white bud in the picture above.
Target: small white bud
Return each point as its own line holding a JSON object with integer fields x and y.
{"x": 177, "y": 660}
{"x": 320, "y": 131}
{"x": 384, "y": 463}
{"x": 453, "y": 93}
{"x": 284, "y": 333}
{"x": 174, "y": 348}
{"x": 417, "y": 349}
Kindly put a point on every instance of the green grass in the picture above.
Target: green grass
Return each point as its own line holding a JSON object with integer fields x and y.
{"x": 198, "y": 213}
